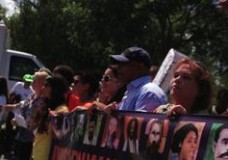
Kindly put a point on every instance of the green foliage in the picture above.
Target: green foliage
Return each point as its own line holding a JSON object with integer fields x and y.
{"x": 83, "y": 33}
{"x": 2, "y": 13}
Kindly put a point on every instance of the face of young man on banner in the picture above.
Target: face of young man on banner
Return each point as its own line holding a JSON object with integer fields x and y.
{"x": 91, "y": 129}
{"x": 221, "y": 146}
{"x": 154, "y": 138}
{"x": 155, "y": 133}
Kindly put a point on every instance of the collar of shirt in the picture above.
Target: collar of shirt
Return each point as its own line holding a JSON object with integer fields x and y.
{"x": 138, "y": 82}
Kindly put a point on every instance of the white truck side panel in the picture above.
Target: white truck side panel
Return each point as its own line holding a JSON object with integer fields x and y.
{"x": 14, "y": 64}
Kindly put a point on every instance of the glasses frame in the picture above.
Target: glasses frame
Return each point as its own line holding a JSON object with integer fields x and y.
{"x": 107, "y": 78}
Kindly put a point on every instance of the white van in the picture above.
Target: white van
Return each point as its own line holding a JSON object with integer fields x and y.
{"x": 14, "y": 64}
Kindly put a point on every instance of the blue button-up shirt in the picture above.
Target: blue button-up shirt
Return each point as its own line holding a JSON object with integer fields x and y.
{"x": 142, "y": 95}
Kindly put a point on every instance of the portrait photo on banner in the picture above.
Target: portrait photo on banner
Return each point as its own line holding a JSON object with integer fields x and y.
{"x": 78, "y": 128}
{"x": 112, "y": 132}
{"x": 60, "y": 126}
{"x": 217, "y": 147}
{"x": 156, "y": 132}
{"x": 185, "y": 140}
{"x": 93, "y": 127}
{"x": 132, "y": 131}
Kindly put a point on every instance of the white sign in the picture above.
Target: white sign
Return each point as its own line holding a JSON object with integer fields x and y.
{"x": 165, "y": 72}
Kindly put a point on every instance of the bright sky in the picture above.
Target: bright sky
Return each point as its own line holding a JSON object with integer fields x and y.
{"x": 10, "y": 7}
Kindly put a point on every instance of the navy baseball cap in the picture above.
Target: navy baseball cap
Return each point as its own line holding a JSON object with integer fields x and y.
{"x": 133, "y": 54}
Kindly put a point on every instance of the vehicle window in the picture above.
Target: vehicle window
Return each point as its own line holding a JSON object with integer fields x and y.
{"x": 20, "y": 66}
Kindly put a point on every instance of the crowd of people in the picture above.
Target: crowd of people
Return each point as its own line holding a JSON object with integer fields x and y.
{"x": 125, "y": 85}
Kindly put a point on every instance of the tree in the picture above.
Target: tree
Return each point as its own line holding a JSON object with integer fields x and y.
{"x": 83, "y": 33}
{"x": 2, "y": 13}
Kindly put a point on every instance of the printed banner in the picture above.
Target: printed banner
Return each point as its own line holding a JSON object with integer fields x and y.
{"x": 140, "y": 136}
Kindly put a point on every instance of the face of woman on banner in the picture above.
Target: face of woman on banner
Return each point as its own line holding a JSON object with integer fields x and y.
{"x": 113, "y": 125}
{"x": 188, "y": 146}
{"x": 132, "y": 129}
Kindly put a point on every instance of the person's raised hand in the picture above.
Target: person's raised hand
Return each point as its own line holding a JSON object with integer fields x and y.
{"x": 176, "y": 110}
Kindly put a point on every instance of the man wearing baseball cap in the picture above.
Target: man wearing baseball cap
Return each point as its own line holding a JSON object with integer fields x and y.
{"x": 23, "y": 89}
{"x": 133, "y": 69}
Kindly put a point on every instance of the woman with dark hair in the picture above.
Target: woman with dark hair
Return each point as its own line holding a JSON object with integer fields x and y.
{"x": 131, "y": 143}
{"x": 54, "y": 89}
{"x": 191, "y": 90}
{"x": 111, "y": 88}
{"x": 112, "y": 133}
{"x": 67, "y": 73}
{"x": 184, "y": 144}
{"x": 85, "y": 87}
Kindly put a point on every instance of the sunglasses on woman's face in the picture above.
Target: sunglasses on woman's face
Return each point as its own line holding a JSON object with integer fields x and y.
{"x": 107, "y": 78}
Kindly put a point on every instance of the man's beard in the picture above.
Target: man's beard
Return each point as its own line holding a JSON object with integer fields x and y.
{"x": 153, "y": 148}
{"x": 90, "y": 136}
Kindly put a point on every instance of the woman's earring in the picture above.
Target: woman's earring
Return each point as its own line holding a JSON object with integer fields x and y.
{"x": 179, "y": 145}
